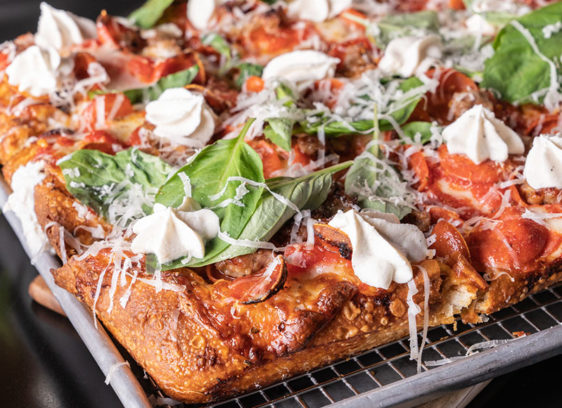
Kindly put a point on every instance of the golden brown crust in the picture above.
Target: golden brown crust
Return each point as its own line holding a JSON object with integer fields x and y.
{"x": 56, "y": 209}
{"x": 194, "y": 348}
{"x": 507, "y": 290}
{"x": 199, "y": 354}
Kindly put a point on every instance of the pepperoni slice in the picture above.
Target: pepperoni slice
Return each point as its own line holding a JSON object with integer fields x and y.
{"x": 419, "y": 165}
{"x": 269, "y": 155}
{"x": 257, "y": 287}
{"x": 461, "y": 167}
{"x": 514, "y": 243}
{"x": 449, "y": 243}
{"x": 149, "y": 71}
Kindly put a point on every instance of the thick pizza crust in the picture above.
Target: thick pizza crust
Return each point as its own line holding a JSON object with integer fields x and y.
{"x": 194, "y": 359}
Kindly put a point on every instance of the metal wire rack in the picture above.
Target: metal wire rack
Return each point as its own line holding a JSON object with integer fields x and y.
{"x": 389, "y": 364}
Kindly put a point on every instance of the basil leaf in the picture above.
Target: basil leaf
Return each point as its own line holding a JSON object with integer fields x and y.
{"x": 285, "y": 94}
{"x": 337, "y": 128}
{"x": 371, "y": 180}
{"x": 400, "y": 25}
{"x": 149, "y": 13}
{"x": 515, "y": 70}
{"x": 413, "y": 129}
{"x": 98, "y": 180}
{"x": 220, "y": 45}
{"x": 388, "y": 207}
{"x": 247, "y": 70}
{"x": 399, "y": 110}
{"x": 208, "y": 174}
{"x": 376, "y": 186}
{"x": 307, "y": 193}
{"x": 279, "y": 131}
{"x": 176, "y": 80}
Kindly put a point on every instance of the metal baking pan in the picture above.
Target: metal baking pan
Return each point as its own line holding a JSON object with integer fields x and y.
{"x": 381, "y": 377}
{"x": 95, "y": 338}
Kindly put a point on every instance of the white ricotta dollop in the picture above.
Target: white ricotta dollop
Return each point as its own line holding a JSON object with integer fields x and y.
{"x": 35, "y": 70}
{"x": 317, "y": 10}
{"x": 543, "y": 168}
{"x": 301, "y": 67}
{"x": 182, "y": 117}
{"x": 405, "y": 56}
{"x": 171, "y": 234}
{"x": 478, "y": 25}
{"x": 60, "y": 29}
{"x": 478, "y": 134}
{"x": 200, "y": 12}
{"x": 382, "y": 247}
{"x": 22, "y": 203}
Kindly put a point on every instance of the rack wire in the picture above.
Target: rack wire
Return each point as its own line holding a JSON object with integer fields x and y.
{"x": 375, "y": 370}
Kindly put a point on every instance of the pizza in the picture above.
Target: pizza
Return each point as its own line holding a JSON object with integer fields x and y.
{"x": 242, "y": 191}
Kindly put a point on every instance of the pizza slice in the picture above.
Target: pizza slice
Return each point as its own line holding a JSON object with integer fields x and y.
{"x": 245, "y": 191}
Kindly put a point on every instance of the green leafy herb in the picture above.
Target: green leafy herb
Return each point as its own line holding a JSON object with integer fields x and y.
{"x": 209, "y": 174}
{"x": 286, "y": 95}
{"x": 307, "y": 192}
{"x": 376, "y": 184}
{"x": 149, "y": 13}
{"x": 399, "y": 110}
{"x": 98, "y": 180}
{"x": 400, "y": 25}
{"x": 413, "y": 129}
{"x": 220, "y": 45}
{"x": 280, "y": 131}
{"x": 516, "y": 70}
{"x": 176, "y": 80}
{"x": 247, "y": 70}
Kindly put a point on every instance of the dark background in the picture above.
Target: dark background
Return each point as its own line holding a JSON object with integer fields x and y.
{"x": 43, "y": 363}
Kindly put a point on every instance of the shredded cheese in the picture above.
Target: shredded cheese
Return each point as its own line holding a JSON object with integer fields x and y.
{"x": 113, "y": 369}
{"x": 413, "y": 311}
{"x": 426, "y": 291}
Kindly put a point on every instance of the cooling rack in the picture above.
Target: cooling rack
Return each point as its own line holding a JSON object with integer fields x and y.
{"x": 385, "y": 376}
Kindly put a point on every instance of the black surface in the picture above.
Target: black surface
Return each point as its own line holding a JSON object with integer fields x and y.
{"x": 43, "y": 362}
